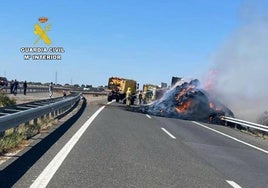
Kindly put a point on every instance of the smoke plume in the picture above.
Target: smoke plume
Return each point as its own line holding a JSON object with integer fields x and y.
{"x": 240, "y": 66}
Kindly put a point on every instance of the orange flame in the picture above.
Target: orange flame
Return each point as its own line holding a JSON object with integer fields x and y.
{"x": 183, "y": 91}
{"x": 211, "y": 105}
{"x": 215, "y": 107}
{"x": 183, "y": 107}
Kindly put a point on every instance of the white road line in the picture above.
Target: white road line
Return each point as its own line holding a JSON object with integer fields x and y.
{"x": 168, "y": 133}
{"x": 226, "y": 135}
{"x": 110, "y": 102}
{"x": 233, "y": 184}
{"x": 148, "y": 116}
{"x": 43, "y": 179}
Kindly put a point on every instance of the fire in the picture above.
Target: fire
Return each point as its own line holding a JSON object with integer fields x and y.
{"x": 183, "y": 107}
{"x": 182, "y": 98}
{"x": 214, "y": 107}
{"x": 211, "y": 105}
{"x": 188, "y": 101}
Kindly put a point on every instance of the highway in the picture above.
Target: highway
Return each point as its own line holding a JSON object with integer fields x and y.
{"x": 109, "y": 146}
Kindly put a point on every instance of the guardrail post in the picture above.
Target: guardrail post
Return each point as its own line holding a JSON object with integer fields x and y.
{"x": 35, "y": 121}
{"x": 21, "y": 128}
{"x": 48, "y": 116}
{"x": 26, "y": 126}
{"x": 9, "y": 131}
{"x": 16, "y": 129}
{"x": 40, "y": 119}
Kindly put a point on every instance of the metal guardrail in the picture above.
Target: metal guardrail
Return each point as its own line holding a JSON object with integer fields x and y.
{"x": 31, "y": 111}
{"x": 44, "y": 89}
{"x": 95, "y": 93}
{"x": 245, "y": 123}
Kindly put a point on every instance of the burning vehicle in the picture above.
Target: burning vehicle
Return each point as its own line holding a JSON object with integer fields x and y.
{"x": 188, "y": 101}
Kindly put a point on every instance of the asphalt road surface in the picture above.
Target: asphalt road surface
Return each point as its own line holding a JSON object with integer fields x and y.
{"x": 112, "y": 147}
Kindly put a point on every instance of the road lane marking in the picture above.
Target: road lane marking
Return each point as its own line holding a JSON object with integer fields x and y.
{"x": 168, "y": 133}
{"x": 226, "y": 135}
{"x": 110, "y": 102}
{"x": 148, "y": 116}
{"x": 43, "y": 179}
{"x": 233, "y": 184}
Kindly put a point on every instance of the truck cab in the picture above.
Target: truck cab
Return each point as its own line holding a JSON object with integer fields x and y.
{"x": 118, "y": 88}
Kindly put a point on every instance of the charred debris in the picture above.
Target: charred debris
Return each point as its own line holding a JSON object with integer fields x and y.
{"x": 187, "y": 101}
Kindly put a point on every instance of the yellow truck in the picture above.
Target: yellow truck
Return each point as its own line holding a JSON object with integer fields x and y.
{"x": 118, "y": 89}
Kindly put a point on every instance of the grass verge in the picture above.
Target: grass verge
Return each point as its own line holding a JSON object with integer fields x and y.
{"x": 5, "y": 100}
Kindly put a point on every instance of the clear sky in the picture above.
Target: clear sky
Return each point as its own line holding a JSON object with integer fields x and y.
{"x": 146, "y": 40}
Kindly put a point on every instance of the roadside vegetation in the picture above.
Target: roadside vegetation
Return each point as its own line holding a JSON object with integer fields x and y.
{"x": 15, "y": 138}
{"x": 7, "y": 140}
{"x": 5, "y": 100}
